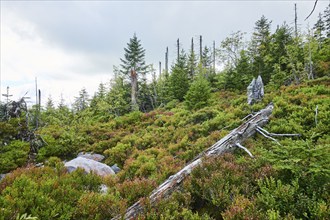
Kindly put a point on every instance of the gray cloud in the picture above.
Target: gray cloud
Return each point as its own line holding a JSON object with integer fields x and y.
{"x": 104, "y": 27}
{"x": 97, "y": 31}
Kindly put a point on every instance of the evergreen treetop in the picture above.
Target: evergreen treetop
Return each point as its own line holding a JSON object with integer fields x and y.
{"x": 82, "y": 101}
{"x": 192, "y": 63}
{"x": 319, "y": 29}
{"x": 179, "y": 80}
{"x": 134, "y": 57}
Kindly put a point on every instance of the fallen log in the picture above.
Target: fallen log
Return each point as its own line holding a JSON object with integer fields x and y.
{"x": 228, "y": 143}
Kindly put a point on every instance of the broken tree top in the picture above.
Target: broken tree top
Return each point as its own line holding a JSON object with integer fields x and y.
{"x": 255, "y": 91}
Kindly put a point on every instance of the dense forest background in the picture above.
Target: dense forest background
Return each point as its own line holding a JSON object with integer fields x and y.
{"x": 152, "y": 125}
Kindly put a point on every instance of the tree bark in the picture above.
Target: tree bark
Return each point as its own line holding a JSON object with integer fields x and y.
{"x": 166, "y": 62}
{"x": 178, "y": 48}
{"x": 200, "y": 49}
{"x": 228, "y": 143}
{"x": 135, "y": 106}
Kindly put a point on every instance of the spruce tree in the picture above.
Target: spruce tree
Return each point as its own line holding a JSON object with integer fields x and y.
{"x": 133, "y": 65}
{"x": 154, "y": 91}
{"x": 145, "y": 96}
{"x": 279, "y": 56}
{"x": 320, "y": 56}
{"x": 163, "y": 89}
{"x": 192, "y": 63}
{"x": 280, "y": 40}
{"x": 259, "y": 49}
{"x": 207, "y": 65}
{"x": 118, "y": 97}
{"x": 179, "y": 80}
{"x": 326, "y": 17}
{"x": 99, "y": 96}
{"x": 243, "y": 71}
{"x": 319, "y": 29}
{"x": 207, "y": 58}
{"x": 198, "y": 94}
{"x": 296, "y": 60}
{"x": 101, "y": 92}
{"x": 82, "y": 101}
{"x": 50, "y": 104}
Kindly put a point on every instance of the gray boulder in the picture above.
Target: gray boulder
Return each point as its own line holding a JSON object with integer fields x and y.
{"x": 255, "y": 91}
{"x": 96, "y": 157}
{"x": 89, "y": 165}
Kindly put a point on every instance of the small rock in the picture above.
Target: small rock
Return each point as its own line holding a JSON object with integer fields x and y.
{"x": 39, "y": 165}
{"x": 89, "y": 165}
{"x": 103, "y": 189}
{"x": 70, "y": 169}
{"x": 115, "y": 168}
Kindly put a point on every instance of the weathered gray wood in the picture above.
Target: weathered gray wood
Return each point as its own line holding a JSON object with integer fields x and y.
{"x": 270, "y": 136}
{"x": 255, "y": 91}
{"x": 245, "y": 149}
{"x": 228, "y": 143}
{"x": 134, "y": 84}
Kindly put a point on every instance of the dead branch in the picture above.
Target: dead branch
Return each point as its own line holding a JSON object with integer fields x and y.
{"x": 278, "y": 135}
{"x": 246, "y": 117}
{"x": 312, "y": 10}
{"x": 270, "y": 136}
{"x": 316, "y": 112}
{"x": 245, "y": 149}
{"x": 267, "y": 136}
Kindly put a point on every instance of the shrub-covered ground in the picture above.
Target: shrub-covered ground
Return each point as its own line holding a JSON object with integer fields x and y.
{"x": 287, "y": 181}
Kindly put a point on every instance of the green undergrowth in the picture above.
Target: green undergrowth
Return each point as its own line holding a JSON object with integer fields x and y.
{"x": 287, "y": 181}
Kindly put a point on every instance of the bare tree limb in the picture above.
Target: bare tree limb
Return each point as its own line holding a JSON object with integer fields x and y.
{"x": 267, "y": 136}
{"x": 246, "y": 117}
{"x": 277, "y": 135}
{"x": 317, "y": 107}
{"x": 312, "y": 10}
{"x": 245, "y": 149}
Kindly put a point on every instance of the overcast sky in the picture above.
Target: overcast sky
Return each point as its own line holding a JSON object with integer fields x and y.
{"x": 69, "y": 45}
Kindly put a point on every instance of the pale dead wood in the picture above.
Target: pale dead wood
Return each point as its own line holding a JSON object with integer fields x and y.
{"x": 246, "y": 117}
{"x": 277, "y": 135}
{"x": 316, "y": 113}
{"x": 245, "y": 149}
{"x": 270, "y": 136}
{"x": 267, "y": 136}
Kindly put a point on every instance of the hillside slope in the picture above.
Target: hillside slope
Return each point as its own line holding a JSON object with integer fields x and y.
{"x": 288, "y": 181}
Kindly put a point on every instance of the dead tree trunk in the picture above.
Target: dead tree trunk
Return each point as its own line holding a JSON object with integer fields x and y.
{"x": 166, "y": 62}
{"x": 228, "y": 143}
{"x": 178, "y": 48}
{"x": 200, "y": 49}
{"x": 134, "y": 104}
